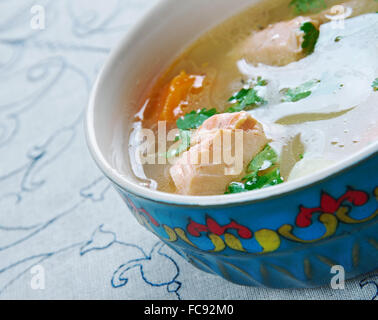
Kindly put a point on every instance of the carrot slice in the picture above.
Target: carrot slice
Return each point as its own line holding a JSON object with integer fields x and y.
{"x": 174, "y": 96}
{"x": 170, "y": 101}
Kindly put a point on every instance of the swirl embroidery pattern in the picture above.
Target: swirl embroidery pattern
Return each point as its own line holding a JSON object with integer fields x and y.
{"x": 51, "y": 198}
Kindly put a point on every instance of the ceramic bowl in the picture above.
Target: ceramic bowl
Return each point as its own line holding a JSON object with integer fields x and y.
{"x": 286, "y": 236}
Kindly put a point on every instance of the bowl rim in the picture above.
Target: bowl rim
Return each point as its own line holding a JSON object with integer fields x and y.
{"x": 197, "y": 201}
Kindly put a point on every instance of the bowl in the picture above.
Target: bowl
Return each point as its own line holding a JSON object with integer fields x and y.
{"x": 287, "y": 236}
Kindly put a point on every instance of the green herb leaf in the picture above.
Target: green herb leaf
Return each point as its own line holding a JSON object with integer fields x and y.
{"x": 184, "y": 137}
{"x": 246, "y": 98}
{"x": 375, "y": 84}
{"x": 270, "y": 179}
{"x": 299, "y": 93}
{"x": 261, "y": 82}
{"x": 304, "y": 6}
{"x": 235, "y": 187}
{"x": 189, "y": 121}
{"x": 263, "y": 161}
{"x": 240, "y": 95}
{"x": 311, "y": 35}
{"x": 194, "y": 119}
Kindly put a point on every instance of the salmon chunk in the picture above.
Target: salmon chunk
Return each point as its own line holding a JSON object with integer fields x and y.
{"x": 219, "y": 154}
{"x": 279, "y": 44}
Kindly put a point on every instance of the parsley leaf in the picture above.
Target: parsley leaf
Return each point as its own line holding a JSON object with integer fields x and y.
{"x": 375, "y": 83}
{"x": 311, "y": 35}
{"x": 300, "y": 92}
{"x": 264, "y": 160}
{"x": 304, "y": 6}
{"x": 247, "y": 98}
{"x": 194, "y": 119}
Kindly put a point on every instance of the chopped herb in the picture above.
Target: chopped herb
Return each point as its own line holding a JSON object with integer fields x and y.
{"x": 375, "y": 84}
{"x": 338, "y": 38}
{"x": 270, "y": 179}
{"x": 266, "y": 159}
{"x": 300, "y": 156}
{"x": 304, "y": 6}
{"x": 238, "y": 96}
{"x": 189, "y": 121}
{"x": 194, "y": 119}
{"x": 299, "y": 93}
{"x": 261, "y": 82}
{"x": 311, "y": 35}
{"x": 184, "y": 137}
{"x": 247, "y": 98}
{"x": 235, "y": 187}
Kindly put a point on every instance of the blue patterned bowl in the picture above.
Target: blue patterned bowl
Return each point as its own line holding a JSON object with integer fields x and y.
{"x": 286, "y": 236}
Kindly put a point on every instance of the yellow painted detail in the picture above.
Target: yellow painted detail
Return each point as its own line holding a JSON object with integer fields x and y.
{"x": 172, "y": 236}
{"x": 343, "y": 215}
{"x": 233, "y": 242}
{"x": 181, "y": 233}
{"x": 217, "y": 241}
{"x": 269, "y": 240}
{"x": 329, "y": 221}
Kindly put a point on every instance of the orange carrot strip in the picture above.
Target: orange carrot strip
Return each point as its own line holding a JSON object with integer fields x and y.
{"x": 175, "y": 96}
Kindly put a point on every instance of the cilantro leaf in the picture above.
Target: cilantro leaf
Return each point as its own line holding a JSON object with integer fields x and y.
{"x": 235, "y": 187}
{"x": 264, "y": 160}
{"x": 184, "y": 137}
{"x": 247, "y": 98}
{"x": 375, "y": 83}
{"x": 304, "y": 6}
{"x": 300, "y": 92}
{"x": 194, "y": 119}
{"x": 311, "y": 35}
{"x": 272, "y": 178}
{"x": 189, "y": 121}
{"x": 261, "y": 82}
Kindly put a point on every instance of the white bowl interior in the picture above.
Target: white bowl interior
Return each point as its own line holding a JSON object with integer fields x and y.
{"x": 131, "y": 69}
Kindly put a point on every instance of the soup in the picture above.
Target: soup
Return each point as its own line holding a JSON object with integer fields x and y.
{"x": 277, "y": 92}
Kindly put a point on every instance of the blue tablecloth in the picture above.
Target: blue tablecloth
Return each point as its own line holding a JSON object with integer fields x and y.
{"x": 64, "y": 232}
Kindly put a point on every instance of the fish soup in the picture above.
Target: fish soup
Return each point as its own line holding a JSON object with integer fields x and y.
{"x": 280, "y": 91}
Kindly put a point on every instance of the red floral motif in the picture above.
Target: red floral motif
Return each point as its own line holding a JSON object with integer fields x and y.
{"x": 195, "y": 228}
{"x": 143, "y": 212}
{"x": 328, "y": 204}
